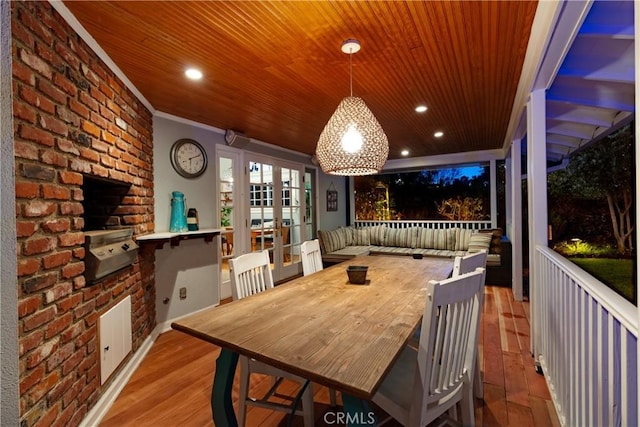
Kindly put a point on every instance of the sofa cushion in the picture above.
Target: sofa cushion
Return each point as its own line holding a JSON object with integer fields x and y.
{"x": 493, "y": 260}
{"x": 439, "y": 252}
{"x": 361, "y": 236}
{"x": 348, "y": 235}
{"x": 401, "y": 237}
{"x": 377, "y": 234}
{"x": 346, "y": 253}
{"x": 332, "y": 240}
{"x": 443, "y": 239}
{"x": 391, "y": 250}
{"x": 496, "y": 239}
{"x": 479, "y": 242}
{"x": 462, "y": 238}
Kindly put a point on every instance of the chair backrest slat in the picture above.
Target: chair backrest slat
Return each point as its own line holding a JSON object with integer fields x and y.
{"x": 311, "y": 257}
{"x": 469, "y": 263}
{"x": 447, "y": 349}
{"x": 250, "y": 274}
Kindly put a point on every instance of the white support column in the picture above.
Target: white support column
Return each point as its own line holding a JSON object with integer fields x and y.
{"x": 515, "y": 232}
{"x": 537, "y": 197}
{"x": 493, "y": 186}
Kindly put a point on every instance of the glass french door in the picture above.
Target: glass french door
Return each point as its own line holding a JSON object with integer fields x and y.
{"x": 276, "y": 213}
{"x": 230, "y": 216}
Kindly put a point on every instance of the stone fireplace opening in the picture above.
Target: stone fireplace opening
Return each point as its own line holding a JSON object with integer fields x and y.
{"x": 103, "y": 203}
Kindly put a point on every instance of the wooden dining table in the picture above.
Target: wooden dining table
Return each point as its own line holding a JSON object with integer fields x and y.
{"x": 321, "y": 327}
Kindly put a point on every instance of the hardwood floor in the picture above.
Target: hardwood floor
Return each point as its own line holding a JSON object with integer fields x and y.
{"x": 172, "y": 386}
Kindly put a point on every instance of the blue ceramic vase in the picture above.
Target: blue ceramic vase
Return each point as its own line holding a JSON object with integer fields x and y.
{"x": 178, "y": 216}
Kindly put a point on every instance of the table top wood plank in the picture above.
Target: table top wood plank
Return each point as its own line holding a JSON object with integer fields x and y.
{"x": 323, "y": 328}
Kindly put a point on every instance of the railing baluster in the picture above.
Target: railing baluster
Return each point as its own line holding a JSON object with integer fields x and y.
{"x": 587, "y": 344}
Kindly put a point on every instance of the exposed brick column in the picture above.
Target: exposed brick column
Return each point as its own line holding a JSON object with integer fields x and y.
{"x": 72, "y": 117}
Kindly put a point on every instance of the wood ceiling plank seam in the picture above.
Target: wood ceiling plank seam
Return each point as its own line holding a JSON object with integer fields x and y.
{"x": 434, "y": 45}
{"x": 508, "y": 66}
{"x": 230, "y": 26}
{"x": 440, "y": 102}
{"x": 456, "y": 29}
{"x": 408, "y": 69}
{"x": 504, "y": 86}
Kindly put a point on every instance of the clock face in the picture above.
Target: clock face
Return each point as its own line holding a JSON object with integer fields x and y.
{"x": 188, "y": 158}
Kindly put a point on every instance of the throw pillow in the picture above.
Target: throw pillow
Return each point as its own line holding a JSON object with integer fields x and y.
{"x": 361, "y": 236}
{"x": 462, "y": 238}
{"x": 332, "y": 240}
{"x": 401, "y": 237}
{"x": 479, "y": 242}
{"x": 348, "y": 235}
{"x": 378, "y": 233}
{"x": 496, "y": 239}
{"x": 429, "y": 238}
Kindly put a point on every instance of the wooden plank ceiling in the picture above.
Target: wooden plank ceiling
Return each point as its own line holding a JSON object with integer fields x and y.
{"x": 274, "y": 70}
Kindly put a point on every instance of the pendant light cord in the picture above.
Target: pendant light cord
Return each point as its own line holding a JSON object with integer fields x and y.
{"x": 351, "y": 72}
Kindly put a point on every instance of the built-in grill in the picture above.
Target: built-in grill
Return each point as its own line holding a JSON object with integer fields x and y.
{"x": 107, "y": 251}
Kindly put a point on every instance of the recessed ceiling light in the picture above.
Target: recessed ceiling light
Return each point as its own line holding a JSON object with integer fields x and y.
{"x": 438, "y": 134}
{"x": 193, "y": 74}
{"x": 421, "y": 108}
{"x": 405, "y": 152}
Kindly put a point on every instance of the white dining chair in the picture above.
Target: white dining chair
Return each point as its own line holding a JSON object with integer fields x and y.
{"x": 425, "y": 383}
{"x": 467, "y": 264}
{"x": 311, "y": 256}
{"x": 251, "y": 274}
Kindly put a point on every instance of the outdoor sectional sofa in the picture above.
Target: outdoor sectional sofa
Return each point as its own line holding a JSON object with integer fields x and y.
{"x": 345, "y": 243}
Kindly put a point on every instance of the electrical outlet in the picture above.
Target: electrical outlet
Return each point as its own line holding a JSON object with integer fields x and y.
{"x": 183, "y": 293}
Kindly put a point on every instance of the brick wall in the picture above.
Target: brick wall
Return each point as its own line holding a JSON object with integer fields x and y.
{"x": 72, "y": 117}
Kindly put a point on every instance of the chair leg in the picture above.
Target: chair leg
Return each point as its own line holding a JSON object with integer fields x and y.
{"x": 466, "y": 406}
{"x": 478, "y": 390}
{"x": 244, "y": 390}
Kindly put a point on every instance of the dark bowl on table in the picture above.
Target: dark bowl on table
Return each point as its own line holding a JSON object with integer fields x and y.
{"x": 357, "y": 274}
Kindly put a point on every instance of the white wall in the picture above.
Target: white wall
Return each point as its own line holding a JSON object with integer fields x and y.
{"x": 9, "y": 409}
{"x": 199, "y": 193}
{"x": 331, "y": 220}
{"x": 194, "y": 263}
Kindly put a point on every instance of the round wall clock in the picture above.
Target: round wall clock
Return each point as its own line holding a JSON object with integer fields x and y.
{"x": 188, "y": 158}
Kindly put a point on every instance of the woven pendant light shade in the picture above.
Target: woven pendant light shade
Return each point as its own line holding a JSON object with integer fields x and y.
{"x": 352, "y": 142}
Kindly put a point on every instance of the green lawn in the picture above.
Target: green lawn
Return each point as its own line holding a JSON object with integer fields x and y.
{"x": 616, "y": 273}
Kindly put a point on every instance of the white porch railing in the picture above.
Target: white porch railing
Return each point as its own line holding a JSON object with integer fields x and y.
{"x": 585, "y": 336}
{"x": 473, "y": 225}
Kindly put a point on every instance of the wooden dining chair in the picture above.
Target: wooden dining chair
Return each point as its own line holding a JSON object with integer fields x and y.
{"x": 425, "y": 383}
{"x": 311, "y": 256}
{"x": 467, "y": 264}
{"x": 251, "y": 274}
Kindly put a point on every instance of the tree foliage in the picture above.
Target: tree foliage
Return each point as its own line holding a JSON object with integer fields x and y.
{"x": 417, "y": 194}
{"x": 462, "y": 209}
{"x": 604, "y": 170}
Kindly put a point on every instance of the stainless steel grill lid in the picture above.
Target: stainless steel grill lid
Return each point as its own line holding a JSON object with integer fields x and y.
{"x": 108, "y": 251}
